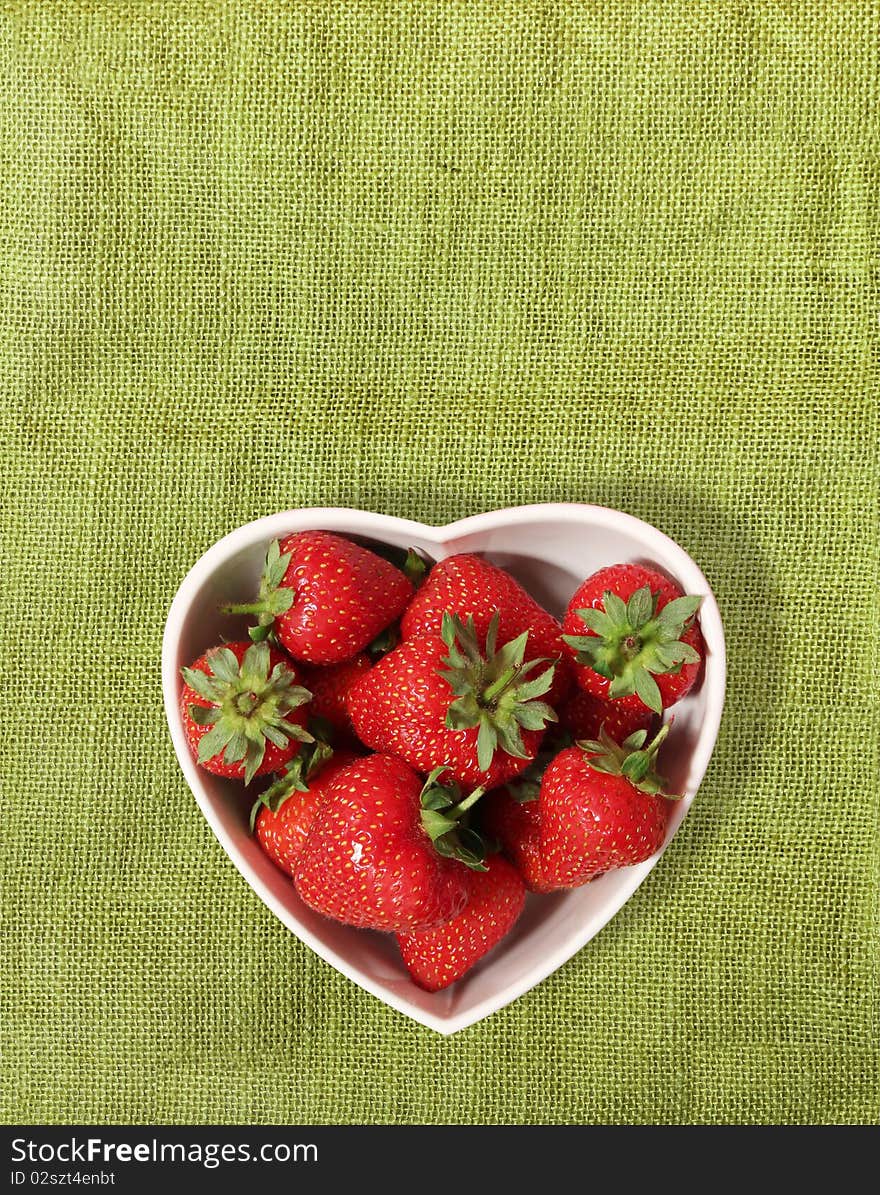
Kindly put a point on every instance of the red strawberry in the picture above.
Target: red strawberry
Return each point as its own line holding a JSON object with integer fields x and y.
{"x": 516, "y": 824}
{"x": 634, "y": 637}
{"x": 241, "y": 719}
{"x": 437, "y": 700}
{"x": 470, "y": 587}
{"x": 329, "y": 688}
{"x": 512, "y": 816}
{"x": 584, "y": 715}
{"x": 601, "y": 807}
{"x": 438, "y": 957}
{"x": 326, "y": 597}
{"x": 283, "y": 814}
{"x": 387, "y": 852}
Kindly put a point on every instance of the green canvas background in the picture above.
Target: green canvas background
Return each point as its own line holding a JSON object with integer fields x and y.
{"x": 430, "y": 259}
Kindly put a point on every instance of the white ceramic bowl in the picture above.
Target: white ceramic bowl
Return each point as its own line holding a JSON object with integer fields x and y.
{"x": 550, "y": 549}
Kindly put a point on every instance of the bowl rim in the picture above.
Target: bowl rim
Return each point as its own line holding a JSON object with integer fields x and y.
{"x": 345, "y": 520}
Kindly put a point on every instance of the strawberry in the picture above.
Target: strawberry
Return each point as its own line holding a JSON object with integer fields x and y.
{"x": 329, "y": 687}
{"x": 512, "y": 816}
{"x": 283, "y": 814}
{"x": 601, "y": 807}
{"x": 435, "y": 958}
{"x": 386, "y": 851}
{"x": 584, "y": 715}
{"x": 469, "y": 587}
{"x": 240, "y": 719}
{"x": 440, "y": 699}
{"x": 516, "y": 823}
{"x": 325, "y": 597}
{"x": 633, "y": 636}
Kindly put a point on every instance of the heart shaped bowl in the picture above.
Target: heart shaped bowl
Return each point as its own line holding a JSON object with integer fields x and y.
{"x": 550, "y": 549}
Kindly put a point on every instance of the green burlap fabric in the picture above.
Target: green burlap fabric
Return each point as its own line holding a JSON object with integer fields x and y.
{"x": 431, "y": 259}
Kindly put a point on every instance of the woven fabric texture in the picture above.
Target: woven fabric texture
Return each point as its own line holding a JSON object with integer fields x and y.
{"x": 430, "y": 259}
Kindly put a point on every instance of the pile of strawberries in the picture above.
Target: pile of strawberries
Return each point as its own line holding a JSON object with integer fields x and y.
{"x": 439, "y": 743}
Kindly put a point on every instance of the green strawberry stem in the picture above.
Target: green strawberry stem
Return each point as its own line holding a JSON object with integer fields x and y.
{"x": 243, "y": 608}
{"x": 444, "y": 819}
{"x": 491, "y": 689}
{"x": 462, "y": 807}
{"x": 496, "y": 689}
{"x": 632, "y": 643}
{"x": 631, "y": 759}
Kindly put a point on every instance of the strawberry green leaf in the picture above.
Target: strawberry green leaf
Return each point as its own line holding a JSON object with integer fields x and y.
{"x": 487, "y": 741}
{"x": 276, "y": 564}
{"x": 511, "y": 740}
{"x": 214, "y": 741}
{"x": 415, "y": 567}
{"x": 587, "y": 643}
{"x": 640, "y": 607}
{"x": 253, "y": 757}
{"x": 435, "y": 800}
{"x": 472, "y": 848}
{"x": 463, "y": 713}
{"x": 510, "y": 656}
{"x": 673, "y": 655}
{"x": 223, "y": 664}
{"x": 635, "y": 766}
{"x": 534, "y": 715}
{"x": 255, "y": 665}
{"x": 604, "y": 669}
{"x": 206, "y": 686}
{"x": 529, "y": 690}
{"x": 436, "y": 825}
{"x": 492, "y": 635}
{"x": 600, "y": 764}
{"x": 615, "y": 608}
{"x": 647, "y": 690}
{"x": 275, "y": 735}
{"x": 294, "y": 731}
{"x": 598, "y": 621}
{"x": 635, "y": 740}
{"x": 204, "y": 716}
{"x": 623, "y": 685}
{"x": 236, "y": 748}
{"x": 678, "y": 612}
{"x": 313, "y": 757}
